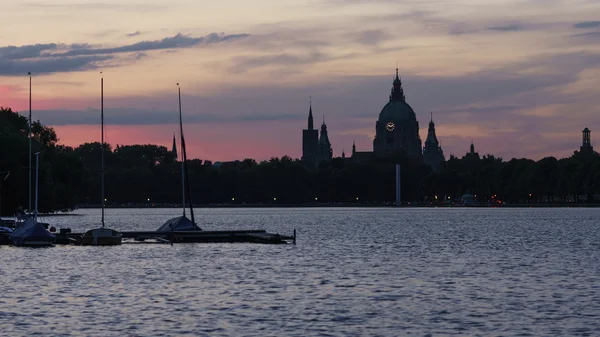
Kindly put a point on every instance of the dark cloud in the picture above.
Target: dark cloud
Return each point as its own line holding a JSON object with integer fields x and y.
{"x": 508, "y": 28}
{"x": 592, "y": 35}
{"x": 52, "y": 57}
{"x": 587, "y": 24}
{"x": 44, "y": 66}
{"x": 177, "y": 41}
{"x": 136, "y": 33}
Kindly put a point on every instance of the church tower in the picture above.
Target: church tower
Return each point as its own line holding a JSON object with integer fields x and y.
{"x": 324, "y": 151}
{"x": 432, "y": 151}
{"x": 310, "y": 139}
{"x": 174, "y": 150}
{"x": 586, "y": 145}
{"x": 472, "y": 154}
{"x": 397, "y": 128}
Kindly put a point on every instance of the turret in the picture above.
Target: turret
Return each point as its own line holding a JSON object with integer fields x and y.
{"x": 397, "y": 90}
{"x": 586, "y": 144}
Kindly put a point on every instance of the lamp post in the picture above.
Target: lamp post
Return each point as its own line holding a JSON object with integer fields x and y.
{"x": 6, "y": 176}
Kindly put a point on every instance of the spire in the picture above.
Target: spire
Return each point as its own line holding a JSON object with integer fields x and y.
{"x": 343, "y": 154}
{"x": 310, "y": 115}
{"x": 472, "y": 147}
{"x": 397, "y": 90}
{"x": 353, "y": 148}
{"x": 174, "y": 150}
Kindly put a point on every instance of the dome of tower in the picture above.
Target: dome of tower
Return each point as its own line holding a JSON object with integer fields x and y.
{"x": 397, "y": 111}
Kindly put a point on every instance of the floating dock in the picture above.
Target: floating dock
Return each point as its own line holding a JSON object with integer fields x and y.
{"x": 65, "y": 237}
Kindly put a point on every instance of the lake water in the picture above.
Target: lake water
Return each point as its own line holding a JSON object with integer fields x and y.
{"x": 353, "y": 272}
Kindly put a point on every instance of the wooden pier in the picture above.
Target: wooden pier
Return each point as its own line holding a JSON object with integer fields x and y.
{"x": 65, "y": 237}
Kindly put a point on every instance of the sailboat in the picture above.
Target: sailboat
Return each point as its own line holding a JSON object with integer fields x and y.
{"x": 102, "y": 236}
{"x": 182, "y": 223}
{"x": 31, "y": 233}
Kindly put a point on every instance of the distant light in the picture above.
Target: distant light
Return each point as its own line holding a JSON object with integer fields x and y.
{"x": 436, "y": 197}
{"x": 148, "y": 199}
{"x": 274, "y": 199}
{"x": 104, "y": 199}
{"x": 316, "y": 198}
{"x": 356, "y": 198}
{"x": 529, "y": 194}
{"x": 232, "y": 199}
{"x": 448, "y": 198}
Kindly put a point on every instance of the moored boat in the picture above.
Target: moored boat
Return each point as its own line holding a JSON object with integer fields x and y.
{"x": 32, "y": 234}
{"x": 101, "y": 237}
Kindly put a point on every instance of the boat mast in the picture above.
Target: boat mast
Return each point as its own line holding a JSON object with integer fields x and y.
{"x": 37, "y": 168}
{"x": 29, "y": 136}
{"x": 102, "y": 143}
{"x": 182, "y": 160}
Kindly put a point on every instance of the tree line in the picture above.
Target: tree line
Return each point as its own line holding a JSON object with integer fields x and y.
{"x": 151, "y": 174}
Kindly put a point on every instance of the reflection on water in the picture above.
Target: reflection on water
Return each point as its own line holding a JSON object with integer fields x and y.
{"x": 354, "y": 272}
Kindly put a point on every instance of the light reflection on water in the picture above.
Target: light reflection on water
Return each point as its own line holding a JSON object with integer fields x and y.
{"x": 354, "y": 272}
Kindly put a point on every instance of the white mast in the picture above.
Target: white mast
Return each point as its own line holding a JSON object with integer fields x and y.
{"x": 182, "y": 162}
{"x": 102, "y": 143}
{"x": 29, "y": 136}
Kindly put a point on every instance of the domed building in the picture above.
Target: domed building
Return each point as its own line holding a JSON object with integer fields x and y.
{"x": 397, "y": 127}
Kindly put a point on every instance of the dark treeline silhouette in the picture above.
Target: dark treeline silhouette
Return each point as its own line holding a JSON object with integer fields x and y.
{"x": 150, "y": 174}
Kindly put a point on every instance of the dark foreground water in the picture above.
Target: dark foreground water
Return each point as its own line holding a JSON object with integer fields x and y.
{"x": 354, "y": 272}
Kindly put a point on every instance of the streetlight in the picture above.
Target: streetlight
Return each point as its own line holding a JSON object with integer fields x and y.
{"x": 6, "y": 176}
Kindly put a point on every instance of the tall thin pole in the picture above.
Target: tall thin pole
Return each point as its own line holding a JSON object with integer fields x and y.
{"x": 29, "y": 136}
{"x": 102, "y": 143}
{"x": 182, "y": 160}
{"x": 6, "y": 176}
{"x": 37, "y": 165}
{"x": 398, "y": 176}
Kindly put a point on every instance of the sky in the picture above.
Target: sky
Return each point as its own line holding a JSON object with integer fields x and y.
{"x": 519, "y": 78}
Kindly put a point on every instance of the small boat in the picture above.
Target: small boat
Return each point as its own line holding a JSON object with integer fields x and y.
{"x": 32, "y": 234}
{"x": 102, "y": 236}
{"x": 179, "y": 224}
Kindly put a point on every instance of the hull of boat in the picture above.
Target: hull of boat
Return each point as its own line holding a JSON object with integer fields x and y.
{"x": 101, "y": 237}
{"x": 35, "y": 243}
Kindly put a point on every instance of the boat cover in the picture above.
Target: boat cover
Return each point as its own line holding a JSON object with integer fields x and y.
{"x": 31, "y": 230}
{"x": 5, "y": 229}
{"x": 180, "y": 223}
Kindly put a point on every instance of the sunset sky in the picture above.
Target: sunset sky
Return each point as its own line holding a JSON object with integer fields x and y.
{"x": 520, "y": 78}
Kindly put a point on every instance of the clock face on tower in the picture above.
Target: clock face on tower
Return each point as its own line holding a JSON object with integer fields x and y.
{"x": 390, "y": 126}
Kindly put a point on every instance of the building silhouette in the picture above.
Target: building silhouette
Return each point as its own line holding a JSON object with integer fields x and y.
{"x": 397, "y": 127}
{"x": 174, "y": 149}
{"x": 472, "y": 154}
{"x": 310, "y": 140}
{"x": 433, "y": 155}
{"x": 586, "y": 144}
{"x": 396, "y": 131}
{"x": 324, "y": 151}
